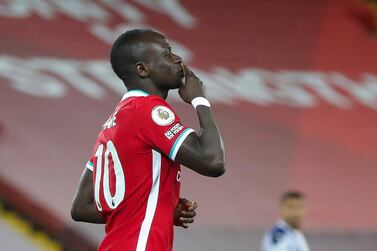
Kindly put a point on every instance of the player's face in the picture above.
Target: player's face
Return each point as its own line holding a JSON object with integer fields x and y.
{"x": 293, "y": 211}
{"x": 165, "y": 66}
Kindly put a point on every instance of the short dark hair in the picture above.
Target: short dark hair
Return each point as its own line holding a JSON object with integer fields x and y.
{"x": 291, "y": 195}
{"x": 122, "y": 54}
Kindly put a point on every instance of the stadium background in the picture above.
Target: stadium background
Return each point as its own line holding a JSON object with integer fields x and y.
{"x": 294, "y": 88}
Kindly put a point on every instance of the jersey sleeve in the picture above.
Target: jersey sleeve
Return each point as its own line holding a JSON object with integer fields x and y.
{"x": 90, "y": 164}
{"x": 161, "y": 127}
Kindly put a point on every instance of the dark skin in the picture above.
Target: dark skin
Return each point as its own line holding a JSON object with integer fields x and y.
{"x": 158, "y": 71}
{"x": 163, "y": 71}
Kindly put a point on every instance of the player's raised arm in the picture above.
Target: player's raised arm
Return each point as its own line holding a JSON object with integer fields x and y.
{"x": 203, "y": 153}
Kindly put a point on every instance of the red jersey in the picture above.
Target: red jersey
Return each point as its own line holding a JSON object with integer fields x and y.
{"x": 136, "y": 181}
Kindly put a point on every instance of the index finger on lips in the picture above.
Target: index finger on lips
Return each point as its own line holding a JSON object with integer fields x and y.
{"x": 185, "y": 69}
{"x": 183, "y": 66}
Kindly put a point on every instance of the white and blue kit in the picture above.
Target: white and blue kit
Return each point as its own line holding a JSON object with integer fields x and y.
{"x": 284, "y": 238}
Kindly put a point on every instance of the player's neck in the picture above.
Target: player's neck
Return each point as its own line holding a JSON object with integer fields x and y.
{"x": 151, "y": 90}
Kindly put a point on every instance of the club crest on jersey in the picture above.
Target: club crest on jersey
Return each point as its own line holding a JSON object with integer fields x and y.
{"x": 162, "y": 115}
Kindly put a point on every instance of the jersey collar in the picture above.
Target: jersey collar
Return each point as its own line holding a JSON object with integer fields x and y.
{"x": 284, "y": 225}
{"x": 134, "y": 93}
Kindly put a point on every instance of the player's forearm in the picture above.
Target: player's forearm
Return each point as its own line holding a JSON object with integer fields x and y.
{"x": 86, "y": 213}
{"x": 210, "y": 141}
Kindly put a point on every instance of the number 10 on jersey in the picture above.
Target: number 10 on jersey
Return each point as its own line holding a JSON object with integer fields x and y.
{"x": 103, "y": 177}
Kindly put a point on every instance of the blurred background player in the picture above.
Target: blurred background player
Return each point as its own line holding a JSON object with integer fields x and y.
{"x": 136, "y": 160}
{"x": 286, "y": 234}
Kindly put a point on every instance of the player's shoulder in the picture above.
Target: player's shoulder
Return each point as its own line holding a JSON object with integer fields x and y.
{"x": 153, "y": 100}
{"x": 147, "y": 108}
{"x": 276, "y": 234}
{"x": 139, "y": 101}
{"x": 158, "y": 110}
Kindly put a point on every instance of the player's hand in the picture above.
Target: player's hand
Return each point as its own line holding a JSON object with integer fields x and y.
{"x": 184, "y": 213}
{"x": 192, "y": 87}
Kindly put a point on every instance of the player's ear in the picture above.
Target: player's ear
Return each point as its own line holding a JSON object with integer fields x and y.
{"x": 142, "y": 70}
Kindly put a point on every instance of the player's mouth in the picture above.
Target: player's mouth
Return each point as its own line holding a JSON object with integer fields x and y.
{"x": 181, "y": 74}
{"x": 181, "y": 71}
{"x": 181, "y": 77}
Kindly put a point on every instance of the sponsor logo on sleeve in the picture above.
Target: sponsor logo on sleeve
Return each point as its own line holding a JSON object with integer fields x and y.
{"x": 162, "y": 115}
{"x": 174, "y": 130}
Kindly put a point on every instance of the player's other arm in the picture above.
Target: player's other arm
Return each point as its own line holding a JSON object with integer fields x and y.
{"x": 83, "y": 207}
{"x": 203, "y": 153}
